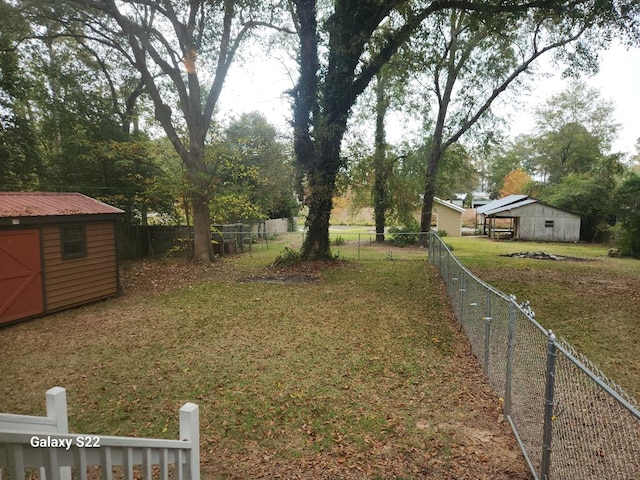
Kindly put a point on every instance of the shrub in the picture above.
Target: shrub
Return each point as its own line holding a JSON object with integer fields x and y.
{"x": 627, "y": 197}
{"x": 289, "y": 256}
{"x": 404, "y": 235}
{"x": 182, "y": 248}
{"x": 629, "y": 241}
{"x": 338, "y": 241}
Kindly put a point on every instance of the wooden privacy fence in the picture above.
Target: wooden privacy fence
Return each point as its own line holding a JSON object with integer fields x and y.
{"x": 139, "y": 241}
{"x": 30, "y": 443}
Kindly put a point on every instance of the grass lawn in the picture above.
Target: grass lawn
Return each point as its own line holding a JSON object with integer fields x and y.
{"x": 357, "y": 372}
{"x": 592, "y": 303}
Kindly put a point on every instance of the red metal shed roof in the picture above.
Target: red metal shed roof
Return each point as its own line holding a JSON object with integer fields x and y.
{"x": 47, "y": 204}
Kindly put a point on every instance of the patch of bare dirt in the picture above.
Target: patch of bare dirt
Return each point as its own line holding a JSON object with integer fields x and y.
{"x": 282, "y": 279}
{"x": 162, "y": 275}
{"x": 308, "y": 266}
{"x": 151, "y": 275}
{"x": 609, "y": 286}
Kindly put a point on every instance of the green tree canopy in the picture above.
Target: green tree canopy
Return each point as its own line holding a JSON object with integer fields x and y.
{"x": 78, "y": 128}
{"x": 259, "y": 146}
{"x": 21, "y": 163}
{"x": 569, "y": 157}
{"x": 517, "y": 154}
{"x": 627, "y": 202}
{"x": 181, "y": 52}
{"x": 586, "y": 195}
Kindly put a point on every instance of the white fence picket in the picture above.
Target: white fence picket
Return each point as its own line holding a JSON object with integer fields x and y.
{"x": 17, "y": 453}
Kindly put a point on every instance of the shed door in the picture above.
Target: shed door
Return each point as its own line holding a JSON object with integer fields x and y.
{"x": 20, "y": 275}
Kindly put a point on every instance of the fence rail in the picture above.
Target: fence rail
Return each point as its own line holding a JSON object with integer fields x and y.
{"x": 571, "y": 422}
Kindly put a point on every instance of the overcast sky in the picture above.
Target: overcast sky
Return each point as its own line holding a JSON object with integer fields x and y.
{"x": 618, "y": 81}
{"x": 259, "y": 85}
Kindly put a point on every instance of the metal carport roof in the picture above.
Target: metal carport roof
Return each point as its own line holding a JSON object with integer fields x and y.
{"x": 511, "y": 206}
{"x": 509, "y": 199}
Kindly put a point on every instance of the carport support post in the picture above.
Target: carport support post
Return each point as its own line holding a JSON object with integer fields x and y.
{"x": 548, "y": 405}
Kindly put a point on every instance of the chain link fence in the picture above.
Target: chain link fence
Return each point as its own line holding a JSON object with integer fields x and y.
{"x": 571, "y": 422}
{"x": 361, "y": 246}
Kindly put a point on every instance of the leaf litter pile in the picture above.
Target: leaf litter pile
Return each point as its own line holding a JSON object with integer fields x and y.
{"x": 360, "y": 373}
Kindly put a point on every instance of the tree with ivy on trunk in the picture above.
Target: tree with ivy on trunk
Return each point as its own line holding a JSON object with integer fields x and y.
{"x": 382, "y": 164}
{"x": 362, "y": 36}
{"x": 323, "y": 97}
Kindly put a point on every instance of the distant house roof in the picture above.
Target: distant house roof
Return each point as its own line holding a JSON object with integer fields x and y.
{"x": 448, "y": 205}
{"x": 501, "y": 202}
{"x": 50, "y": 204}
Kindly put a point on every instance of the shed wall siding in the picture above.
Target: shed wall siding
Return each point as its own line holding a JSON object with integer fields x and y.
{"x": 566, "y": 226}
{"x": 76, "y": 281}
{"x": 449, "y": 220}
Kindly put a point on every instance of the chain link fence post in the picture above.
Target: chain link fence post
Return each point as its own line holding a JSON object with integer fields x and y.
{"x": 487, "y": 335}
{"x": 511, "y": 345}
{"x": 450, "y": 278}
{"x": 462, "y": 291}
{"x": 549, "y": 392}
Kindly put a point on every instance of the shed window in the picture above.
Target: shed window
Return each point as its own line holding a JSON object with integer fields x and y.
{"x": 548, "y": 223}
{"x": 74, "y": 242}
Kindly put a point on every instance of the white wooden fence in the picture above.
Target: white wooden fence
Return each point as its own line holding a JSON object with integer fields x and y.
{"x": 30, "y": 444}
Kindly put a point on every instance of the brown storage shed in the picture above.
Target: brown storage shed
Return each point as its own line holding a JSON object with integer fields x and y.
{"x": 57, "y": 250}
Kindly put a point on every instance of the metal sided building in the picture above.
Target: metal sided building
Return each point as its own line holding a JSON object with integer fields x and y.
{"x": 57, "y": 250}
{"x": 533, "y": 220}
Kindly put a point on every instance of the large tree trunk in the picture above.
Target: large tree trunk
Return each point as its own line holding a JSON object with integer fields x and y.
{"x": 168, "y": 38}
{"x": 381, "y": 165}
{"x": 199, "y": 196}
{"x": 429, "y": 191}
{"x": 321, "y": 179}
{"x": 316, "y": 245}
{"x": 202, "y": 248}
{"x": 318, "y": 154}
